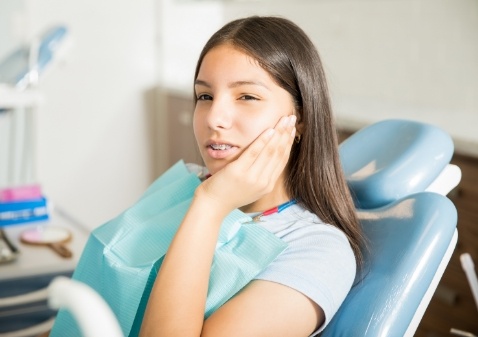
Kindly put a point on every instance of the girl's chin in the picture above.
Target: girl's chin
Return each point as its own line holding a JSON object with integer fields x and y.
{"x": 215, "y": 167}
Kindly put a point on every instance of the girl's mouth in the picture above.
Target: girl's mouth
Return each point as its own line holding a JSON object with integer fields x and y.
{"x": 221, "y": 151}
{"x": 220, "y": 147}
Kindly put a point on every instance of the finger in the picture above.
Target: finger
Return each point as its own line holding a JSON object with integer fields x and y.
{"x": 286, "y": 142}
{"x": 279, "y": 145}
{"x": 279, "y": 168}
{"x": 284, "y": 149}
{"x": 283, "y": 154}
{"x": 254, "y": 150}
{"x": 275, "y": 153}
{"x": 263, "y": 156}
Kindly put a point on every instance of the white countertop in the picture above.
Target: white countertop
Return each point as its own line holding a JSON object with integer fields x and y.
{"x": 41, "y": 260}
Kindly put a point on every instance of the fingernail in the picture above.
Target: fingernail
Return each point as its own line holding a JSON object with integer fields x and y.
{"x": 284, "y": 121}
{"x": 292, "y": 134}
{"x": 292, "y": 120}
{"x": 269, "y": 133}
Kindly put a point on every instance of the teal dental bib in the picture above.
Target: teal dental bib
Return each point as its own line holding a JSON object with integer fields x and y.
{"x": 122, "y": 257}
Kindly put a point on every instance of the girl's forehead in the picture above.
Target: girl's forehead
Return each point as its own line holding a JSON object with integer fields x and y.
{"x": 226, "y": 60}
{"x": 228, "y": 53}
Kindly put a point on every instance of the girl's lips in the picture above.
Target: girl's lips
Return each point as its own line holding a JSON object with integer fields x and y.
{"x": 221, "y": 154}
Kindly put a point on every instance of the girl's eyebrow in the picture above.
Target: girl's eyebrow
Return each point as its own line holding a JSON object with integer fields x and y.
{"x": 203, "y": 83}
{"x": 234, "y": 84}
{"x": 241, "y": 83}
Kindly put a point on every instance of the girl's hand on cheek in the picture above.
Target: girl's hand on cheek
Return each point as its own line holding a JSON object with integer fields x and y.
{"x": 255, "y": 172}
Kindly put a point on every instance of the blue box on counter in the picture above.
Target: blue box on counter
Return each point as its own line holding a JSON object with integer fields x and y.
{"x": 19, "y": 212}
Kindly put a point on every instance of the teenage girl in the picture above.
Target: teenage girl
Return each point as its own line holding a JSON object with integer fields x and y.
{"x": 264, "y": 127}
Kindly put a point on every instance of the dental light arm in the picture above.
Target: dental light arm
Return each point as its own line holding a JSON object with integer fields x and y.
{"x": 94, "y": 316}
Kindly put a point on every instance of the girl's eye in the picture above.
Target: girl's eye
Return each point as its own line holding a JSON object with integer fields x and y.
{"x": 248, "y": 98}
{"x": 204, "y": 97}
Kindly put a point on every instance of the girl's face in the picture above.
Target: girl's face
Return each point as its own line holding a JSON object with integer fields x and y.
{"x": 237, "y": 100}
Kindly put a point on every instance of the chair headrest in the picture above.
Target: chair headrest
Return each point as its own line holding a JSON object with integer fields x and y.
{"x": 391, "y": 159}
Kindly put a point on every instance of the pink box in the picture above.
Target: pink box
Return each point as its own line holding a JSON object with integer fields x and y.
{"x": 18, "y": 193}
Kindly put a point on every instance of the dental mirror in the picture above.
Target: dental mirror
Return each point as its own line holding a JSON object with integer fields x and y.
{"x": 53, "y": 237}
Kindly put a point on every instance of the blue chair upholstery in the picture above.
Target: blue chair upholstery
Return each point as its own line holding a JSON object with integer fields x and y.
{"x": 407, "y": 241}
{"x": 394, "y": 158}
{"x": 411, "y": 233}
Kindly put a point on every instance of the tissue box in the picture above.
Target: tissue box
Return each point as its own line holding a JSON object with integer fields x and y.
{"x": 20, "y": 193}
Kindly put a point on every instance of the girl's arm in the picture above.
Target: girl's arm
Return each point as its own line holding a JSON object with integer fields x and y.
{"x": 265, "y": 309}
{"x": 177, "y": 302}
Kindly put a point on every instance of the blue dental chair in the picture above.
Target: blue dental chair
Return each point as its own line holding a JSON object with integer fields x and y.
{"x": 399, "y": 174}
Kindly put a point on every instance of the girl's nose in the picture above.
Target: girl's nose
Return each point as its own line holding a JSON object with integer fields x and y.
{"x": 220, "y": 115}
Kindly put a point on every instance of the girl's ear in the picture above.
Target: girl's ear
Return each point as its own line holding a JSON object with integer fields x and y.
{"x": 299, "y": 125}
{"x": 299, "y": 128}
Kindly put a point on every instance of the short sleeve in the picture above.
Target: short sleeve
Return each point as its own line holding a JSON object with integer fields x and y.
{"x": 318, "y": 262}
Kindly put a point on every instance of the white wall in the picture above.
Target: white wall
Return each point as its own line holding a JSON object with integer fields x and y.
{"x": 184, "y": 27}
{"x": 384, "y": 59}
{"x": 12, "y": 26}
{"x": 94, "y": 136}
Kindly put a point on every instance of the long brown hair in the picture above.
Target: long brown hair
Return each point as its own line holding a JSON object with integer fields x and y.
{"x": 314, "y": 173}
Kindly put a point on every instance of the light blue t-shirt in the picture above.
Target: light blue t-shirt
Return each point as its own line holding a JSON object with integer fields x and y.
{"x": 318, "y": 261}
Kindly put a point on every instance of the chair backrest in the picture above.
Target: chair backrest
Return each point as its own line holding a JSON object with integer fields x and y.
{"x": 408, "y": 240}
{"x": 411, "y": 233}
